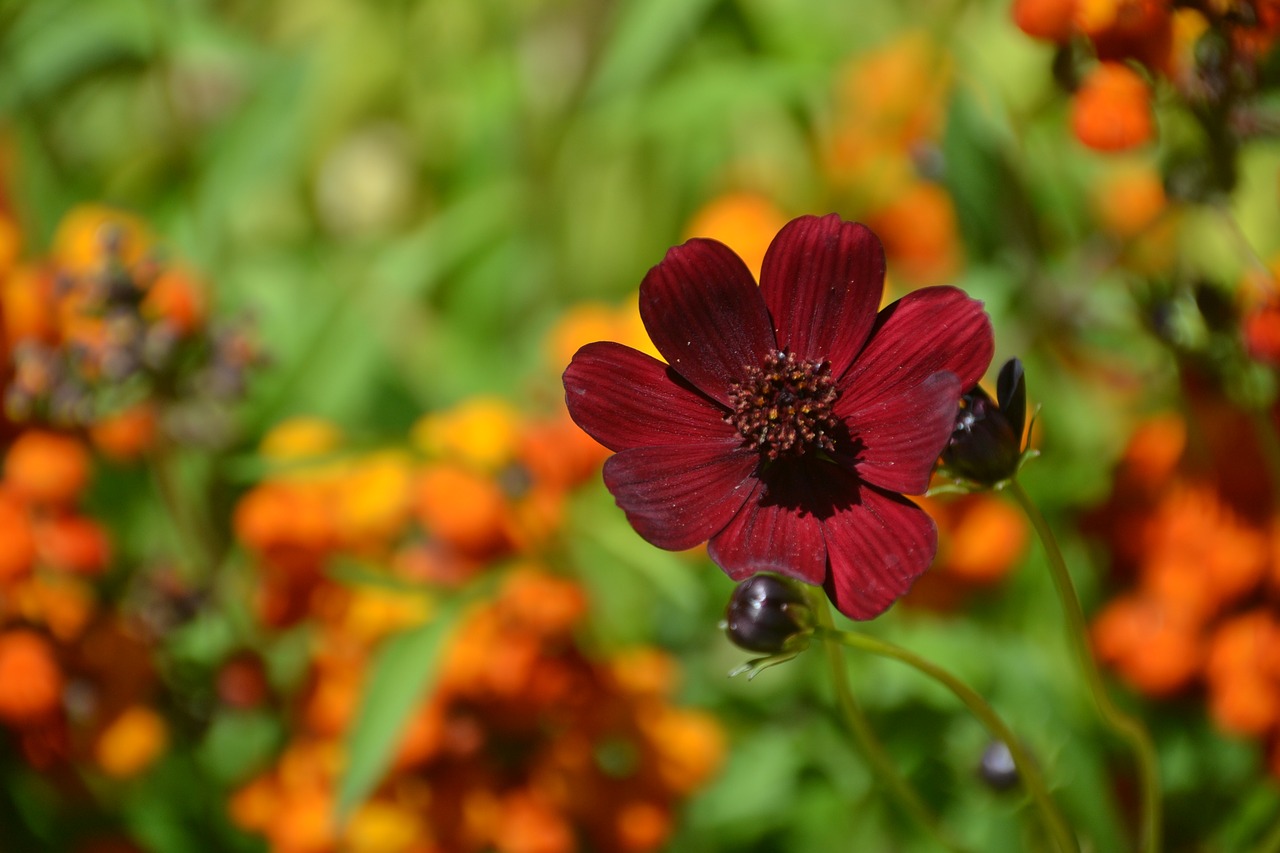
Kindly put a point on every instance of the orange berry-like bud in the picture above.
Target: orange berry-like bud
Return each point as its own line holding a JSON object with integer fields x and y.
{"x": 131, "y": 742}
{"x": 125, "y": 435}
{"x": 1050, "y": 20}
{"x": 73, "y": 543}
{"x": 642, "y": 826}
{"x": 31, "y": 681}
{"x": 47, "y": 468}
{"x": 1112, "y": 109}
{"x": 177, "y": 299}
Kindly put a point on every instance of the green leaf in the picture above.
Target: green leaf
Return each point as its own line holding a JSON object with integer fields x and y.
{"x": 646, "y": 35}
{"x": 404, "y": 670}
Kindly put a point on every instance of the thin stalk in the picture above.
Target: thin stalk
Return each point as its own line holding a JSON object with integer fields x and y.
{"x": 1124, "y": 725}
{"x": 1054, "y": 823}
{"x": 882, "y": 766}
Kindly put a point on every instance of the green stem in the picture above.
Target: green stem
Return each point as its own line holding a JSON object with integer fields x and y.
{"x": 881, "y": 764}
{"x": 1054, "y": 823}
{"x": 1127, "y": 727}
{"x": 1271, "y": 843}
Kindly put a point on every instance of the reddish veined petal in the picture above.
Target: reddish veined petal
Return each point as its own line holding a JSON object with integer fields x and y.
{"x": 822, "y": 280}
{"x": 705, "y": 315}
{"x": 677, "y": 496}
{"x": 876, "y": 549}
{"x": 623, "y": 398}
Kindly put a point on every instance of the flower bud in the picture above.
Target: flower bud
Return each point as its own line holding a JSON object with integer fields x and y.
{"x": 986, "y": 444}
{"x": 997, "y": 768}
{"x": 769, "y": 614}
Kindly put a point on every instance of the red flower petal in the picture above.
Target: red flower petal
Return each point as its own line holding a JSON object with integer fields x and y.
{"x": 677, "y": 496}
{"x": 932, "y": 329}
{"x": 822, "y": 279}
{"x": 705, "y": 315}
{"x": 903, "y": 430}
{"x": 771, "y": 536}
{"x": 877, "y": 548}
{"x": 623, "y": 398}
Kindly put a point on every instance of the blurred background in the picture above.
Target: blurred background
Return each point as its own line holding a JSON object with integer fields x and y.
{"x": 300, "y": 552}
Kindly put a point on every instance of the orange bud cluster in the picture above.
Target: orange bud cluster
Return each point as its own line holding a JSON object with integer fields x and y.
{"x": 102, "y": 335}
{"x": 981, "y": 538}
{"x": 526, "y": 743}
{"x": 1198, "y": 614}
{"x": 1138, "y": 43}
{"x": 887, "y": 120}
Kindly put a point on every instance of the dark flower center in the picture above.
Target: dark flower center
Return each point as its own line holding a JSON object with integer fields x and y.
{"x": 784, "y": 406}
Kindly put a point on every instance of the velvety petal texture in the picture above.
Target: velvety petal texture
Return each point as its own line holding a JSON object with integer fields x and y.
{"x": 932, "y": 329}
{"x": 876, "y": 548}
{"x": 770, "y": 536}
{"x": 678, "y": 496}
{"x": 792, "y": 462}
{"x": 901, "y": 430}
{"x": 624, "y": 398}
{"x": 705, "y": 315}
{"x": 822, "y": 280}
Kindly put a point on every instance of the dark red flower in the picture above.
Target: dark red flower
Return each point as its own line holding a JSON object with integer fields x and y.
{"x": 790, "y": 418}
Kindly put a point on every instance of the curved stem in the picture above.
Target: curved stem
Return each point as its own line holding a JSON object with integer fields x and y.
{"x": 882, "y": 766}
{"x": 1124, "y": 725}
{"x": 1054, "y": 823}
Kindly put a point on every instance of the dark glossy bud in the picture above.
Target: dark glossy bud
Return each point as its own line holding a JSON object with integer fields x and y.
{"x": 997, "y": 768}
{"x": 986, "y": 444}
{"x": 769, "y": 614}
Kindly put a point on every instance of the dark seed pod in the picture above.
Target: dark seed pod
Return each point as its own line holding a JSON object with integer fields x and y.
{"x": 769, "y": 614}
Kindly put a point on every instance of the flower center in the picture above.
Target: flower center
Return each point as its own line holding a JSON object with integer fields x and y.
{"x": 784, "y": 406}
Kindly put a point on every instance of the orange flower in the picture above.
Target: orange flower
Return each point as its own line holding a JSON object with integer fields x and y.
{"x": 745, "y": 222}
{"x": 300, "y": 438}
{"x": 31, "y": 681}
{"x": 1129, "y": 200}
{"x": 131, "y": 742}
{"x": 17, "y": 542}
{"x": 371, "y": 501}
{"x": 595, "y": 321}
{"x": 1128, "y": 29}
{"x": 125, "y": 435}
{"x": 73, "y": 543}
{"x": 461, "y": 508}
{"x": 89, "y": 232}
{"x": 1153, "y": 647}
{"x": 1112, "y": 109}
{"x": 527, "y": 825}
{"x": 1261, "y": 331}
{"x": 47, "y": 468}
{"x": 175, "y": 298}
{"x": 984, "y": 538}
{"x": 479, "y": 433}
{"x": 290, "y": 524}
{"x": 27, "y": 305}
{"x": 643, "y": 826}
{"x": 1050, "y": 20}
{"x": 1198, "y": 554}
{"x": 919, "y": 232}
